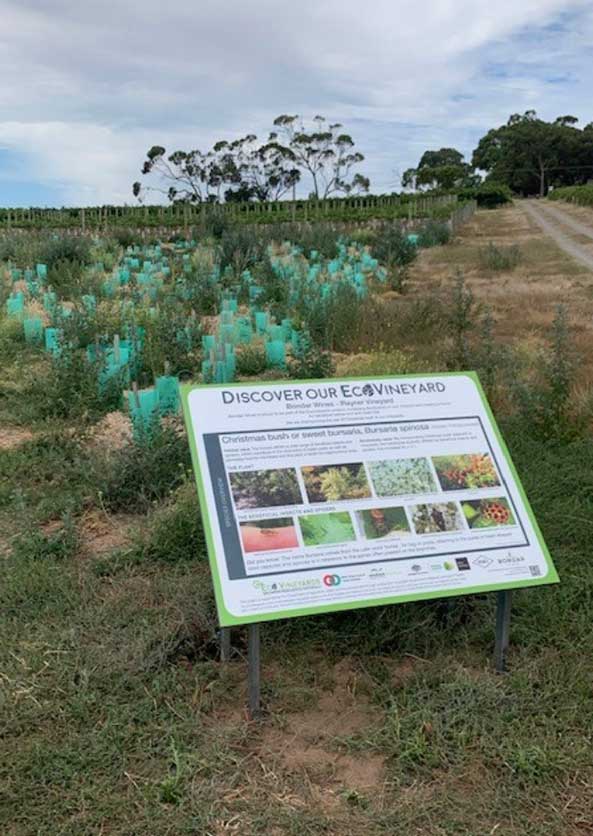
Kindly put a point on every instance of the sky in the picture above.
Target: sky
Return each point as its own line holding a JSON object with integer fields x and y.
{"x": 87, "y": 87}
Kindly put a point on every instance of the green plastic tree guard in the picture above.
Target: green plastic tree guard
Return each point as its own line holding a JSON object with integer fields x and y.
{"x": 167, "y": 389}
{"x": 276, "y": 354}
{"x": 52, "y": 341}
{"x": 33, "y": 328}
{"x": 261, "y": 321}
{"x": 208, "y": 342}
{"x": 143, "y": 408}
{"x": 15, "y": 306}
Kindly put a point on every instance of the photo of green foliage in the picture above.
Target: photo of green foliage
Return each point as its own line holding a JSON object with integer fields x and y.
{"x": 383, "y": 522}
{"x": 327, "y": 529}
{"x": 265, "y": 488}
{"x": 331, "y": 483}
{"x": 437, "y": 518}
{"x": 474, "y": 470}
{"x": 402, "y": 476}
{"x": 488, "y": 513}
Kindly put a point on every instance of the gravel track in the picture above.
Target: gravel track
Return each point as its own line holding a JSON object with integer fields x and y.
{"x": 568, "y": 220}
{"x": 548, "y": 220}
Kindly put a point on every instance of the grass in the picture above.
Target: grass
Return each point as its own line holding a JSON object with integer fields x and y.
{"x": 46, "y": 476}
{"x": 522, "y": 300}
{"x": 116, "y": 715}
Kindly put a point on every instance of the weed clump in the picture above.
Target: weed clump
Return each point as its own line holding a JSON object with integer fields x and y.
{"x": 499, "y": 259}
{"x": 58, "y": 544}
{"x": 175, "y": 533}
{"x": 69, "y": 388}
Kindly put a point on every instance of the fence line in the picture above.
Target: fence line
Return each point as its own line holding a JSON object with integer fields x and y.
{"x": 184, "y": 215}
{"x": 462, "y": 215}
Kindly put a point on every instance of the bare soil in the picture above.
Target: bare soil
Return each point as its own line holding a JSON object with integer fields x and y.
{"x": 112, "y": 432}
{"x": 101, "y": 533}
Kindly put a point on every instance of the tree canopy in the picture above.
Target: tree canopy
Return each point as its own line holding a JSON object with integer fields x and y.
{"x": 443, "y": 169}
{"x": 244, "y": 169}
{"x": 324, "y": 153}
{"x": 529, "y": 154}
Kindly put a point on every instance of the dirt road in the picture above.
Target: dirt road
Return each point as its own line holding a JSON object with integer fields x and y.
{"x": 561, "y": 227}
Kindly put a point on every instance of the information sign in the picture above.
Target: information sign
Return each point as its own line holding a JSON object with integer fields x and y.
{"x": 331, "y": 495}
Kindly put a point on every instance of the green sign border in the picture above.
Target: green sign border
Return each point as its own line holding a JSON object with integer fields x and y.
{"x": 227, "y": 619}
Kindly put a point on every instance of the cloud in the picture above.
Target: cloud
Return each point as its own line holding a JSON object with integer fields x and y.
{"x": 86, "y": 88}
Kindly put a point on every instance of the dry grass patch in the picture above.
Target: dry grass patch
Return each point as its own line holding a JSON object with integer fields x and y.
{"x": 11, "y": 437}
{"x": 101, "y": 533}
{"x": 523, "y": 300}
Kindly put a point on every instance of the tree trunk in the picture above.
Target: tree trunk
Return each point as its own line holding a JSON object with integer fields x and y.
{"x": 315, "y": 187}
{"x": 542, "y": 181}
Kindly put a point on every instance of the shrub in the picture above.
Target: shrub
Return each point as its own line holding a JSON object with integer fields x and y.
{"x": 241, "y": 248}
{"x": 251, "y": 360}
{"x": 461, "y": 323}
{"x": 213, "y": 224}
{"x": 364, "y": 236}
{"x": 124, "y": 237}
{"x": 491, "y": 360}
{"x": 333, "y": 322}
{"x": 276, "y": 289}
{"x": 22, "y": 250}
{"x": 434, "y": 234}
{"x": 341, "y": 315}
{"x": 202, "y": 293}
{"x": 319, "y": 236}
{"x": 581, "y": 195}
{"x": 162, "y": 344}
{"x": 545, "y": 403}
{"x": 310, "y": 361}
{"x": 65, "y": 248}
{"x": 491, "y": 195}
{"x": 499, "y": 258}
{"x": 392, "y": 247}
{"x": 147, "y": 470}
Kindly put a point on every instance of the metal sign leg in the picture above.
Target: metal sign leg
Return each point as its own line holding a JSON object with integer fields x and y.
{"x": 254, "y": 671}
{"x": 503, "y": 623}
{"x": 225, "y": 644}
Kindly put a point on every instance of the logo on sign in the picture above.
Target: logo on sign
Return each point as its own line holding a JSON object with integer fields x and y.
{"x": 332, "y": 580}
{"x": 511, "y": 558}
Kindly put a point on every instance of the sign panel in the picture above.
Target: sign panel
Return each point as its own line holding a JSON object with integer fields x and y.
{"x": 336, "y": 494}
